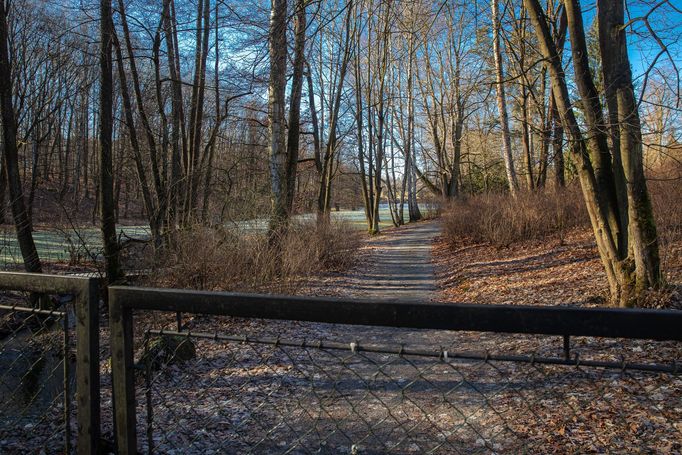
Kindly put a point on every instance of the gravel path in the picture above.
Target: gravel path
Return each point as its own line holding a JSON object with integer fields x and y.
{"x": 399, "y": 269}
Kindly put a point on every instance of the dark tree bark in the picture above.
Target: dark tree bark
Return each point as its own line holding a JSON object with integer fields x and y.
{"x": 106, "y": 175}
{"x": 178, "y": 137}
{"x": 160, "y": 203}
{"x": 22, "y": 224}
{"x": 293, "y": 138}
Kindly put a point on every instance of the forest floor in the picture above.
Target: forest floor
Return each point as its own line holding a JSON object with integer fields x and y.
{"x": 298, "y": 397}
{"x": 558, "y": 270}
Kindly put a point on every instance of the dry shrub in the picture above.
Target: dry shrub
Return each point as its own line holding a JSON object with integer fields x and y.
{"x": 501, "y": 220}
{"x": 666, "y": 199}
{"x": 230, "y": 260}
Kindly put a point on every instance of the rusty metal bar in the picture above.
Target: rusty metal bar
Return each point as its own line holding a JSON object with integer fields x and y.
{"x": 24, "y": 309}
{"x": 406, "y": 351}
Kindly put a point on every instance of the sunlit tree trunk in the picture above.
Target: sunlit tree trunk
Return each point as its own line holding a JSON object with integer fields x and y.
{"x": 630, "y": 257}
{"x": 642, "y": 241}
{"x": 410, "y": 163}
{"x": 502, "y": 102}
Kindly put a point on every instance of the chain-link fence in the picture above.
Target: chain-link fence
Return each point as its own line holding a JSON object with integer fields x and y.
{"x": 215, "y": 393}
{"x": 37, "y": 378}
{"x": 49, "y": 364}
{"x": 225, "y": 385}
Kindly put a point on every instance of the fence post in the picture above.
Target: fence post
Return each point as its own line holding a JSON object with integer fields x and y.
{"x": 87, "y": 367}
{"x": 123, "y": 379}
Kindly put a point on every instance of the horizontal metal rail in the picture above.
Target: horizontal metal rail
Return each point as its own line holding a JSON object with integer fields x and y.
{"x": 23, "y": 309}
{"x": 597, "y": 322}
{"x": 443, "y": 354}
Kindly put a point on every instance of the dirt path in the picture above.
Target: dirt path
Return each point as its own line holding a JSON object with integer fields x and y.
{"x": 399, "y": 267}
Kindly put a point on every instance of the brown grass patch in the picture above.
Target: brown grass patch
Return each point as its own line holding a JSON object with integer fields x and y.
{"x": 228, "y": 260}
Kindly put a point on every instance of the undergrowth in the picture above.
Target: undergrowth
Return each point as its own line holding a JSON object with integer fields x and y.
{"x": 228, "y": 259}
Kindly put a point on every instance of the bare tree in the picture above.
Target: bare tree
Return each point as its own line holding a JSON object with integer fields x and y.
{"x": 106, "y": 185}
{"x": 294, "y": 124}
{"x": 11, "y": 160}
{"x": 276, "y": 107}
{"x": 629, "y": 253}
{"x": 502, "y": 101}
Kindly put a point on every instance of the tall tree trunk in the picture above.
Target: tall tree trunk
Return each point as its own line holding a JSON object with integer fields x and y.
{"x": 557, "y": 145}
{"x": 526, "y": 140}
{"x": 208, "y": 172}
{"x": 294, "y": 132}
{"x": 631, "y": 271}
{"x": 160, "y": 203}
{"x": 412, "y": 205}
{"x": 106, "y": 177}
{"x": 27, "y": 246}
{"x": 149, "y": 205}
{"x": 276, "y": 95}
{"x": 327, "y": 168}
{"x": 178, "y": 142}
{"x": 502, "y": 102}
{"x": 642, "y": 244}
{"x": 596, "y": 138}
{"x": 196, "y": 121}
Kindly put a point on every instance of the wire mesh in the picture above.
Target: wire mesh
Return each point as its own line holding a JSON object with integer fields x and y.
{"x": 255, "y": 393}
{"x": 37, "y": 377}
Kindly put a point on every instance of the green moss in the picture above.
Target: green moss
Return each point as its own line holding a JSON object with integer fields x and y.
{"x": 167, "y": 350}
